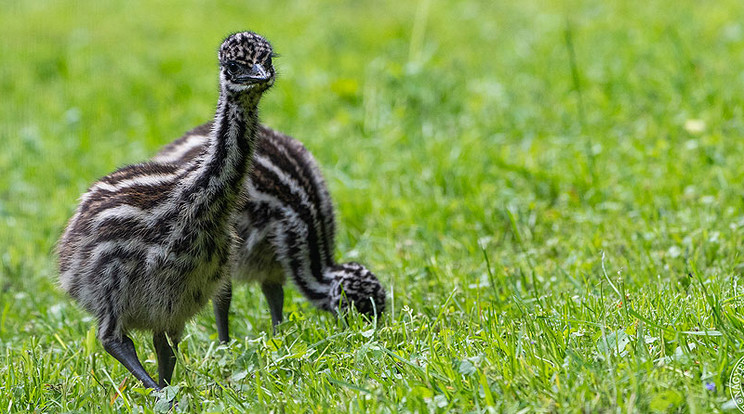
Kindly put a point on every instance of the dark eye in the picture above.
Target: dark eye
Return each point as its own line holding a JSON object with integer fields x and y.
{"x": 232, "y": 66}
{"x": 268, "y": 62}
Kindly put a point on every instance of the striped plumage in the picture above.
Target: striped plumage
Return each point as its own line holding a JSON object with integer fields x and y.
{"x": 286, "y": 227}
{"x": 150, "y": 244}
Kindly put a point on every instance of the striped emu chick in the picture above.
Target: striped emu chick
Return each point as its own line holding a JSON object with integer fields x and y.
{"x": 149, "y": 244}
{"x": 286, "y": 227}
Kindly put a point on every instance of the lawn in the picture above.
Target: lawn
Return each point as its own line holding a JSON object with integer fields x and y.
{"x": 549, "y": 190}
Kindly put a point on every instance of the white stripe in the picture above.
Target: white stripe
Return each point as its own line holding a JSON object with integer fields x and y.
{"x": 187, "y": 145}
{"x": 142, "y": 180}
{"x": 120, "y": 211}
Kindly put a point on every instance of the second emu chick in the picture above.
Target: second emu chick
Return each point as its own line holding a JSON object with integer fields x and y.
{"x": 286, "y": 227}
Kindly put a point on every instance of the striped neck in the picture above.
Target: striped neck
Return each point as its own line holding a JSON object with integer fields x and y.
{"x": 218, "y": 175}
{"x": 315, "y": 286}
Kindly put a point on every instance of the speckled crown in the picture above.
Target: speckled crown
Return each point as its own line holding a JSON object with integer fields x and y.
{"x": 246, "y": 47}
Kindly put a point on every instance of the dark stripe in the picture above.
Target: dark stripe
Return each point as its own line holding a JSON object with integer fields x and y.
{"x": 191, "y": 154}
{"x": 182, "y": 264}
{"x": 217, "y": 158}
{"x": 193, "y": 166}
{"x": 135, "y": 258}
{"x": 221, "y": 205}
{"x": 260, "y": 214}
{"x": 198, "y": 243}
{"x": 106, "y": 312}
{"x": 203, "y": 129}
{"x": 267, "y": 179}
{"x": 186, "y": 243}
{"x": 294, "y": 261}
{"x": 221, "y": 139}
{"x": 111, "y": 283}
{"x": 139, "y": 170}
{"x": 229, "y": 185}
{"x": 144, "y": 197}
{"x": 111, "y": 267}
{"x": 127, "y": 228}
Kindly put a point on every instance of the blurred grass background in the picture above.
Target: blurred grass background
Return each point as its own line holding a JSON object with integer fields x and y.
{"x": 551, "y": 189}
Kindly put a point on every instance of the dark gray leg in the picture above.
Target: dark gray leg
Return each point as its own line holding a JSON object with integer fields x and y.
{"x": 124, "y": 352}
{"x": 221, "y": 305}
{"x": 274, "y": 293}
{"x": 166, "y": 358}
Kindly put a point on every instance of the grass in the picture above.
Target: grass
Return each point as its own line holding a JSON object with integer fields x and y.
{"x": 551, "y": 192}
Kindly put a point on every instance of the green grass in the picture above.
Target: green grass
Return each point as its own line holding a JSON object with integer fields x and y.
{"x": 551, "y": 191}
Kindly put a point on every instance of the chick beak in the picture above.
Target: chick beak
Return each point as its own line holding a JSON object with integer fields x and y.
{"x": 257, "y": 74}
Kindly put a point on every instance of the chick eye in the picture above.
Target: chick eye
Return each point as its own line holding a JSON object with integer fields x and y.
{"x": 232, "y": 66}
